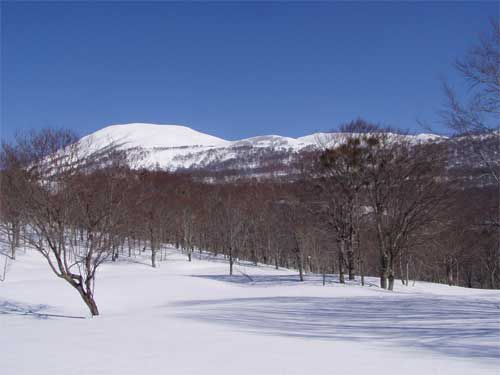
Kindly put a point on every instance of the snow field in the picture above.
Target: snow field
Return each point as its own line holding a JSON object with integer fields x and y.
{"x": 192, "y": 318}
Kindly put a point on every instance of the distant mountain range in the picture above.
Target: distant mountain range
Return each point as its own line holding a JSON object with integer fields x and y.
{"x": 176, "y": 147}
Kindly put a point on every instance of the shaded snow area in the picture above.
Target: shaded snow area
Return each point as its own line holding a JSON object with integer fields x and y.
{"x": 192, "y": 318}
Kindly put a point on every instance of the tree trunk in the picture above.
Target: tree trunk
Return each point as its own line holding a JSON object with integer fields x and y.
{"x": 384, "y": 264}
{"x": 153, "y": 256}
{"x": 90, "y": 302}
{"x": 341, "y": 263}
{"x": 493, "y": 279}
{"x": 407, "y": 276}
{"x": 14, "y": 239}
{"x": 362, "y": 272}
{"x": 153, "y": 248}
{"x": 88, "y": 298}
{"x": 391, "y": 271}
{"x": 449, "y": 271}
{"x": 13, "y": 251}
{"x": 300, "y": 265}
{"x": 114, "y": 254}
{"x": 391, "y": 281}
{"x": 231, "y": 261}
{"x": 350, "y": 261}
{"x": 401, "y": 273}
{"x": 383, "y": 280}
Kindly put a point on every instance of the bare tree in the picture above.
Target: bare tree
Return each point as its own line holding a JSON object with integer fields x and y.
{"x": 342, "y": 177}
{"x": 403, "y": 195}
{"x": 59, "y": 187}
{"x": 476, "y": 117}
{"x": 10, "y": 218}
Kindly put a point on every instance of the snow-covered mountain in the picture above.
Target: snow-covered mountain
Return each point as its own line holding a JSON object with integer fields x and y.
{"x": 175, "y": 147}
{"x": 150, "y": 136}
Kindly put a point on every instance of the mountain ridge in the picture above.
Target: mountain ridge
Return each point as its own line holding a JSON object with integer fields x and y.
{"x": 174, "y": 147}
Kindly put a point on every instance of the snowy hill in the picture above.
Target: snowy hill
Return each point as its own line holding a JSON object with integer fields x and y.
{"x": 152, "y": 136}
{"x": 189, "y": 318}
{"x": 174, "y": 147}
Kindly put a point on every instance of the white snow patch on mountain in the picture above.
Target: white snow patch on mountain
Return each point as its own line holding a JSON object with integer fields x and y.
{"x": 153, "y": 136}
{"x": 175, "y": 146}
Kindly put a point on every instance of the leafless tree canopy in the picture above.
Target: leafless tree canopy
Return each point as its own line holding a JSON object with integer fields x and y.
{"x": 373, "y": 205}
{"x": 65, "y": 202}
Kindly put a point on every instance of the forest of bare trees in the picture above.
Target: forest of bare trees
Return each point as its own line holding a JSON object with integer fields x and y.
{"x": 376, "y": 204}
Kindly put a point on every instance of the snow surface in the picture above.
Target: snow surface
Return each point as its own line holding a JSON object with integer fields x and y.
{"x": 175, "y": 146}
{"x": 191, "y": 318}
{"x": 152, "y": 135}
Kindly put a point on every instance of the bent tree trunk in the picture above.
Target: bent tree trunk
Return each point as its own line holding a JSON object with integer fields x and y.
{"x": 88, "y": 298}
{"x": 84, "y": 288}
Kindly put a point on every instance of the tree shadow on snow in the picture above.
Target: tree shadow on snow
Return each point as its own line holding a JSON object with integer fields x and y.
{"x": 9, "y": 307}
{"x": 36, "y": 311}
{"x": 280, "y": 280}
{"x": 450, "y": 325}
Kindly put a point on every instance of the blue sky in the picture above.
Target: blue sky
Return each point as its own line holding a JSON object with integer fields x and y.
{"x": 230, "y": 69}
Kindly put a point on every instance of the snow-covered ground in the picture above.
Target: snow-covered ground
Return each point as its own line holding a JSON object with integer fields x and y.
{"x": 191, "y": 318}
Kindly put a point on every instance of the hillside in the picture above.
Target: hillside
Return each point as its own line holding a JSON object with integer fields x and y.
{"x": 153, "y": 136}
{"x": 176, "y": 147}
{"x": 191, "y": 318}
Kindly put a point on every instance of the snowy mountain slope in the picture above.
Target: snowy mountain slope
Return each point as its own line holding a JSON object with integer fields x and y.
{"x": 272, "y": 141}
{"x": 175, "y": 147}
{"x": 151, "y": 136}
{"x": 189, "y": 318}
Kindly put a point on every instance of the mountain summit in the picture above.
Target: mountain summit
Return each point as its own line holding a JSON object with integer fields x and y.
{"x": 153, "y": 136}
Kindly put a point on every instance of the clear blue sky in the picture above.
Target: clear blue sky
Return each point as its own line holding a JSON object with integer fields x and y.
{"x": 229, "y": 69}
